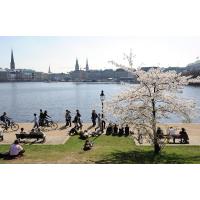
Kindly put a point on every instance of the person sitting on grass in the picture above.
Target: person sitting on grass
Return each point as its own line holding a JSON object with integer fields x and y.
{"x": 97, "y": 132}
{"x": 115, "y": 130}
{"x": 84, "y": 135}
{"x": 109, "y": 129}
{"x": 184, "y": 136}
{"x": 121, "y": 131}
{"x": 73, "y": 131}
{"x": 16, "y": 150}
{"x": 88, "y": 145}
{"x": 126, "y": 130}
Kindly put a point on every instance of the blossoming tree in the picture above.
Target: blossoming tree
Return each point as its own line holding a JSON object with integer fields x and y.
{"x": 152, "y": 99}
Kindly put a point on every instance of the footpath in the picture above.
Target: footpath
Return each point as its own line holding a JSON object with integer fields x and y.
{"x": 60, "y": 136}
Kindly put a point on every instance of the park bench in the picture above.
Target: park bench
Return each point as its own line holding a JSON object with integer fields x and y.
{"x": 180, "y": 138}
{"x": 174, "y": 137}
{"x": 31, "y": 136}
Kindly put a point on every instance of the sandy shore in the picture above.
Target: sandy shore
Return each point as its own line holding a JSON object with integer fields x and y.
{"x": 60, "y": 136}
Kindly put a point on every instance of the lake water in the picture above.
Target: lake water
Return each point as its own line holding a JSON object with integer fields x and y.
{"x": 21, "y": 100}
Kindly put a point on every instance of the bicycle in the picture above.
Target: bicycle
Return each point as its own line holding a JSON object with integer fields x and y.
{"x": 50, "y": 124}
{"x": 13, "y": 125}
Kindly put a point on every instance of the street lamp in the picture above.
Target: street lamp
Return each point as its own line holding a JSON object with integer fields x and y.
{"x": 102, "y": 98}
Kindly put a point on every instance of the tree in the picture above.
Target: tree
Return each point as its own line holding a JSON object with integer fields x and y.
{"x": 154, "y": 98}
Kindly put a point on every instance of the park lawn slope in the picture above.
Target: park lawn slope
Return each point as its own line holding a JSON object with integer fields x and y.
{"x": 107, "y": 149}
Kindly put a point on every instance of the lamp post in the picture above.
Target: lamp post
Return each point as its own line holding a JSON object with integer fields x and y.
{"x": 102, "y": 98}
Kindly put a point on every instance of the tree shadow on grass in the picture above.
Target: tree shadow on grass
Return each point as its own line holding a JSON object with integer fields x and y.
{"x": 147, "y": 157}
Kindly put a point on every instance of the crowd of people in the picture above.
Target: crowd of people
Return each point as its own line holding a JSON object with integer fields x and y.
{"x": 98, "y": 122}
{"x": 42, "y": 120}
{"x": 114, "y": 129}
{"x": 182, "y": 135}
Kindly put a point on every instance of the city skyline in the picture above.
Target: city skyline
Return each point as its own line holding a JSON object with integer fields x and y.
{"x": 38, "y": 53}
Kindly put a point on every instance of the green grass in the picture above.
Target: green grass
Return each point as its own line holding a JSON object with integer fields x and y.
{"x": 107, "y": 149}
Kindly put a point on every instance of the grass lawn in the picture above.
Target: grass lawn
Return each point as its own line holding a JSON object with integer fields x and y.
{"x": 107, "y": 149}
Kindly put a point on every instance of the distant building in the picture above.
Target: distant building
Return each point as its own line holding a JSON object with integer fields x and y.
{"x": 193, "y": 66}
{"x": 49, "y": 72}
{"x": 12, "y": 62}
{"x": 3, "y": 75}
{"x": 108, "y": 75}
{"x": 76, "y": 65}
{"x": 87, "y": 66}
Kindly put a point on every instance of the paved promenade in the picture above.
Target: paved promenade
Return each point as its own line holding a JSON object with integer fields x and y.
{"x": 60, "y": 136}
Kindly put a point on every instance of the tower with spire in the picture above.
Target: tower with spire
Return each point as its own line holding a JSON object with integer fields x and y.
{"x": 49, "y": 72}
{"x": 12, "y": 62}
{"x": 87, "y": 66}
{"x": 77, "y": 65}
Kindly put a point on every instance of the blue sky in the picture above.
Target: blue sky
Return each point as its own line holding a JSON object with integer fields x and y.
{"x": 60, "y": 52}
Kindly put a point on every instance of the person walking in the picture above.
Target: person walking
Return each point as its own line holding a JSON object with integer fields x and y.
{"x": 78, "y": 116}
{"x": 41, "y": 118}
{"x": 36, "y": 124}
{"x": 68, "y": 118}
{"x": 94, "y": 117}
{"x": 99, "y": 122}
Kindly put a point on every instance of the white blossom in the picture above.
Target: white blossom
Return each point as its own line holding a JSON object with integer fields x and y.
{"x": 155, "y": 97}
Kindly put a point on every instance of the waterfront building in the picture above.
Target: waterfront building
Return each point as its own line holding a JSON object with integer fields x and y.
{"x": 3, "y": 75}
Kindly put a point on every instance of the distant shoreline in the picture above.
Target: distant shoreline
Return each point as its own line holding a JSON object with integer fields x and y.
{"x": 98, "y": 82}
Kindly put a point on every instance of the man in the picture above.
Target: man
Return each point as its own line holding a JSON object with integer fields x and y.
{"x": 172, "y": 131}
{"x": 41, "y": 118}
{"x": 94, "y": 117}
{"x": 68, "y": 118}
{"x": 5, "y": 120}
{"x": 36, "y": 124}
{"x": 16, "y": 149}
{"x": 46, "y": 118}
{"x": 78, "y": 115}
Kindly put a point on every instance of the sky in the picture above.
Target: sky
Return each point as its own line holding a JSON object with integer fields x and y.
{"x": 37, "y": 53}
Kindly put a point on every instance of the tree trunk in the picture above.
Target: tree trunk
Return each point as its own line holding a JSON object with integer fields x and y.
{"x": 156, "y": 144}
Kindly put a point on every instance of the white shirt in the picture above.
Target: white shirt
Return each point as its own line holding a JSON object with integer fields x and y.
{"x": 172, "y": 131}
{"x": 15, "y": 149}
{"x": 35, "y": 119}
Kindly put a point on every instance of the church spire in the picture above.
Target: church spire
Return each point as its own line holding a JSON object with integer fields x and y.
{"x": 87, "y": 66}
{"x": 12, "y": 62}
{"x": 77, "y": 65}
{"x": 49, "y": 70}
